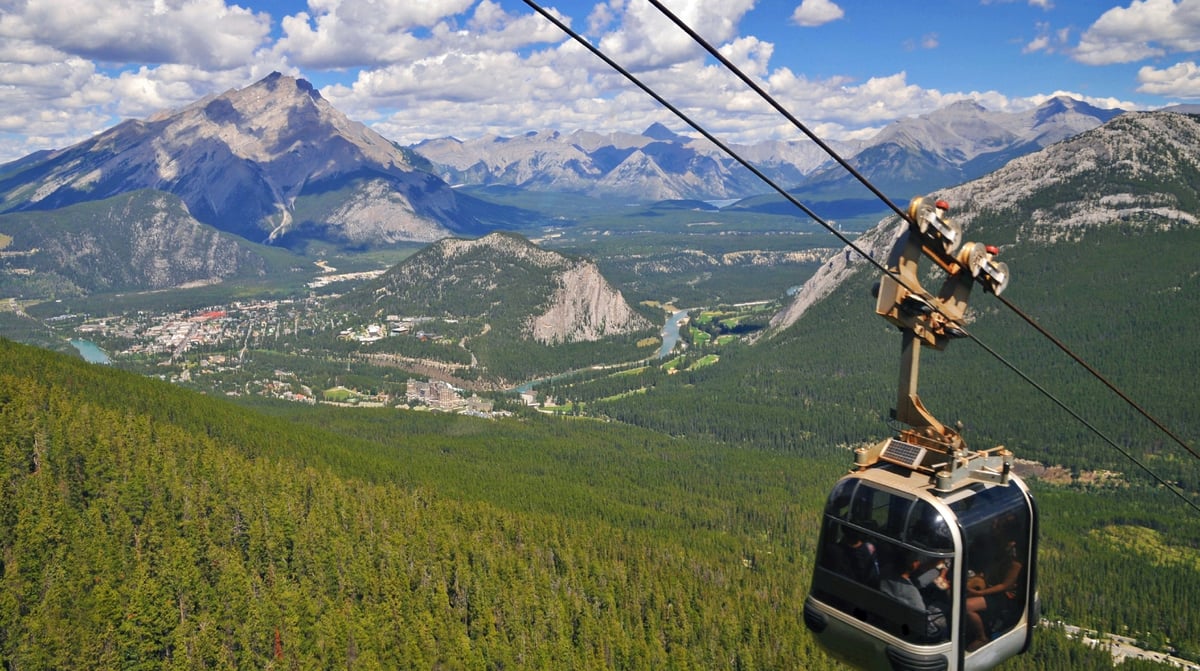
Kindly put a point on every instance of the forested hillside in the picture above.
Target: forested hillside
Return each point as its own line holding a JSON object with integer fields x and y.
{"x": 145, "y": 527}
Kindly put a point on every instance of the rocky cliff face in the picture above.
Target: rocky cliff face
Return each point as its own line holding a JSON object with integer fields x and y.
{"x": 584, "y": 307}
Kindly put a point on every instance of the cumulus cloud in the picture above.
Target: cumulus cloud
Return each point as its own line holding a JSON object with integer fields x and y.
{"x": 341, "y": 34}
{"x": 645, "y": 38}
{"x": 1048, "y": 40}
{"x": 816, "y": 12}
{"x": 1145, "y": 29}
{"x": 751, "y": 55}
{"x": 1181, "y": 80}
{"x": 206, "y": 33}
{"x": 350, "y": 34}
{"x": 421, "y": 69}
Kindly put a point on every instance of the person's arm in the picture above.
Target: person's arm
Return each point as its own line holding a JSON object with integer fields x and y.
{"x": 1010, "y": 581}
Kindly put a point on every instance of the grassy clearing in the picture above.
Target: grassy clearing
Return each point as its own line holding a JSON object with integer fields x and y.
{"x": 624, "y": 394}
{"x": 1148, "y": 543}
{"x": 631, "y": 371}
{"x": 673, "y": 364}
{"x": 339, "y": 395}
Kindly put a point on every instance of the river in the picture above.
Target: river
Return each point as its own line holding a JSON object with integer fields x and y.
{"x": 670, "y": 336}
{"x": 90, "y": 352}
{"x": 670, "y": 332}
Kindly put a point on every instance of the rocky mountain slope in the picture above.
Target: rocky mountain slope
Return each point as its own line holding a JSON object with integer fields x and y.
{"x": 654, "y": 165}
{"x": 1140, "y": 170}
{"x": 512, "y": 285}
{"x": 136, "y": 241}
{"x": 956, "y": 144}
{"x": 946, "y": 147}
{"x": 271, "y": 162}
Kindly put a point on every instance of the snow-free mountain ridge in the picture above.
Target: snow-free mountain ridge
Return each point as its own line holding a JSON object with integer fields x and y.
{"x": 945, "y": 147}
{"x": 268, "y": 162}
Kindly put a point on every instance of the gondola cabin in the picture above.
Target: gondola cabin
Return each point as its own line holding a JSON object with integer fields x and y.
{"x": 927, "y": 554}
{"x": 910, "y": 578}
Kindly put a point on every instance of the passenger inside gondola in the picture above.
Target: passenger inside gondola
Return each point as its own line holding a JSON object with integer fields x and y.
{"x": 920, "y": 586}
{"x": 862, "y": 558}
{"x": 993, "y": 603}
{"x": 869, "y": 534}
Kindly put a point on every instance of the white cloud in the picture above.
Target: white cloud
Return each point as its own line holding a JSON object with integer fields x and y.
{"x": 1039, "y": 43}
{"x": 493, "y": 28}
{"x": 1181, "y": 80}
{"x": 566, "y": 88}
{"x": 416, "y": 69}
{"x": 926, "y": 41}
{"x": 1145, "y": 29}
{"x": 812, "y": 13}
{"x": 50, "y": 104}
{"x": 1048, "y": 40}
{"x": 646, "y": 38}
{"x": 751, "y": 55}
{"x": 351, "y": 33}
{"x": 206, "y": 33}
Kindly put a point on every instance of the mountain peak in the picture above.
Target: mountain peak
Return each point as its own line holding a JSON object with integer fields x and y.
{"x": 260, "y": 162}
{"x": 657, "y": 131}
{"x": 278, "y": 83}
{"x": 1060, "y": 105}
{"x": 966, "y": 104}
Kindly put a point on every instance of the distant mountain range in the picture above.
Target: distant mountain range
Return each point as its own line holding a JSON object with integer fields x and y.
{"x": 656, "y": 165}
{"x": 946, "y": 147}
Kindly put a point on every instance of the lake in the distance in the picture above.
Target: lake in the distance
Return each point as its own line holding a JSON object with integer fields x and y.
{"x": 90, "y": 352}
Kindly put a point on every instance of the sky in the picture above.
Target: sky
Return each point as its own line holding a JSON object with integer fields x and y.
{"x": 422, "y": 69}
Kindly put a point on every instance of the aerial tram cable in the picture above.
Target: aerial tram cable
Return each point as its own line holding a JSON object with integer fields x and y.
{"x": 803, "y": 128}
{"x": 1170, "y": 487}
{"x": 753, "y": 85}
{"x": 829, "y": 227}
{"x": 1095, "y": 373}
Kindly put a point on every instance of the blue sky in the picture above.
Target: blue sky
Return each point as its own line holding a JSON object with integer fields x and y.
{"x": 417, "y": 69}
